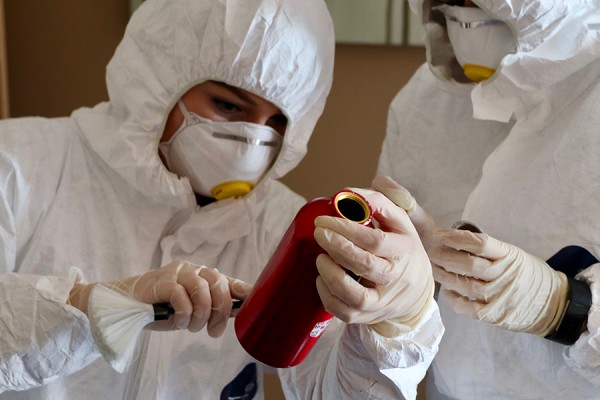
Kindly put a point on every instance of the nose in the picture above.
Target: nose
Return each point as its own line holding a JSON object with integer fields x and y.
{"x": 259, "y": 118}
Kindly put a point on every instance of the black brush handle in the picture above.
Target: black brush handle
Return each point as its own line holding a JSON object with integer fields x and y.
{"x": 236, "y": 304}
{"x": 163, "y": 310}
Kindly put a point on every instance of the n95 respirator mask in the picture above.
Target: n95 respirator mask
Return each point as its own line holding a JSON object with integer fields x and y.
{"x": 220, "y": 159}
{"x": 479, "y": 42}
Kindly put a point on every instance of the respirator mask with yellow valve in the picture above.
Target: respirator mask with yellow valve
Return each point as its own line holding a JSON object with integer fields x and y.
{"x": 220, "y": 159}
{"x": 479, "y": 41}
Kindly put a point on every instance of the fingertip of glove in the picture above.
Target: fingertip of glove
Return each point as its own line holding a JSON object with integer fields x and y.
{"x": 395, "y": 192}
{"x": 328, "y": 222}
{"x": 322, "y": 219}
{"x": 240, "y": 288}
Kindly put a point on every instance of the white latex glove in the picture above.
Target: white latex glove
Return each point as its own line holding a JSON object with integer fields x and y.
{"x": 200, "y": 296}
{"x": 484, "y": 278}
{"x": 396, "y": 284}
{"x": 498, "y": 283}
{"x": 400, "y": 196}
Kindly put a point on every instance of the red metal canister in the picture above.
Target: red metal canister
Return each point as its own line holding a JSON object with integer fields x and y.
{"x": 283, "y": 317}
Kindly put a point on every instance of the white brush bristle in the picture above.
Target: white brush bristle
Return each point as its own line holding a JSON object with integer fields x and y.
{"x": 117, "y": 321}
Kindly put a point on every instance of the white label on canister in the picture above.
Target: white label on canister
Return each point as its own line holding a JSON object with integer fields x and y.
{"x": 319, "y": 328}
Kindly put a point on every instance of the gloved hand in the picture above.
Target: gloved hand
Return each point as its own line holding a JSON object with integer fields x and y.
{"x": 423, "y": 222}
{"x": 199, "y": 295}
{"x": 395, "y": 286}
{"x": 498, "y": 283}
{"x": 484, "y": 278}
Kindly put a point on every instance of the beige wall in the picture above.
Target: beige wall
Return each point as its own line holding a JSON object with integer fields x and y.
{"x": 58, "y": 50}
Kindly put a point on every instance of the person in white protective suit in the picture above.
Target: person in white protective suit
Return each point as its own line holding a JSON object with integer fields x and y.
{"x": 500, "y": 128}
{"x": 121, "y": 192}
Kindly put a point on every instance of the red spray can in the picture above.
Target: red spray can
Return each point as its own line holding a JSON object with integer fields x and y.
{"x": 283, "y": 317}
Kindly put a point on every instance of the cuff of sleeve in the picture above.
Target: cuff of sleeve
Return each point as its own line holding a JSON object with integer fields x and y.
{"x": 404, "y": 359}
{"x": 395, "y": 327}
{"x": 55, "y": 288}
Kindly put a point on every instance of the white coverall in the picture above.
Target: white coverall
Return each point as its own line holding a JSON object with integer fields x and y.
{"x": 90, "y": 191}
{"x": 519, "y": 155}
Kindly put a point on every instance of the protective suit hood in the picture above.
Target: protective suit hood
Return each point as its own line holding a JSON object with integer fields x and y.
{"x": 554, "y": 39}
{"x": 171, "y": 45}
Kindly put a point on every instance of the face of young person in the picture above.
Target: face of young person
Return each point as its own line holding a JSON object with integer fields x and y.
{"x": 220, "y": 102}
{"x": 230, "y": 139}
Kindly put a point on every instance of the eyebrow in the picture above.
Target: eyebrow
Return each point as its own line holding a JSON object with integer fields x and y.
{"x": 236, "y": 91}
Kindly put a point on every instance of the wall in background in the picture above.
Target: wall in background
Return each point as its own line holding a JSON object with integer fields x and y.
{"x": 375, "y": 22}
{"x": 57, "y": 53}
{"x": 4, "y": 101}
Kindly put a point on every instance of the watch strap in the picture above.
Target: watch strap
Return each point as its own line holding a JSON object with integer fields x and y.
{"x": 575, "y": 316}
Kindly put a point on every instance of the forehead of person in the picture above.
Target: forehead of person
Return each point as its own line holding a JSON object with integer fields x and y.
{"x": 280, "y": 50}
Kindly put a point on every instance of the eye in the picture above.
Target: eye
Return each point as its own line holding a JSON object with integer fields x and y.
{"x": 225, "y": 106}
{"x": 278, "y": 122}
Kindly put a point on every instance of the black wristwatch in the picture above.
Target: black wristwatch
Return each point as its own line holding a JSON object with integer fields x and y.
{"x": 574, "y": 319}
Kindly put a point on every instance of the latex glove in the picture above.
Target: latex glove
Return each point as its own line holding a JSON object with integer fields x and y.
{"x": 396, "y": 284}
{"x": 484, "y": 278}
{"x": 200, "y": 296}
{"x": 399, "y": 195}
{"x": 498, "y": 283}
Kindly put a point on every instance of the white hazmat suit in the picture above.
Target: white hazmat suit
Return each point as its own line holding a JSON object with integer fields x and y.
{"x": 518, "y": 155}
{"x": 90, "y": 191}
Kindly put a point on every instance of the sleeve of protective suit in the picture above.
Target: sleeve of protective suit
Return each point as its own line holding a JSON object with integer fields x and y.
{"x": 584, "y": 355}
{"x": 41, "y": 336}
{"x": 354, "y": 362}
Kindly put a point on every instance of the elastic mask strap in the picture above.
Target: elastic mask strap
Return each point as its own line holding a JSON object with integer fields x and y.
{"x": 184, "y": 111}
{"x": 251, "y": 141}
{"x": 246, "y": 140}
{"x": 184, "y": 124}
{"x": 475, "y": 24}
